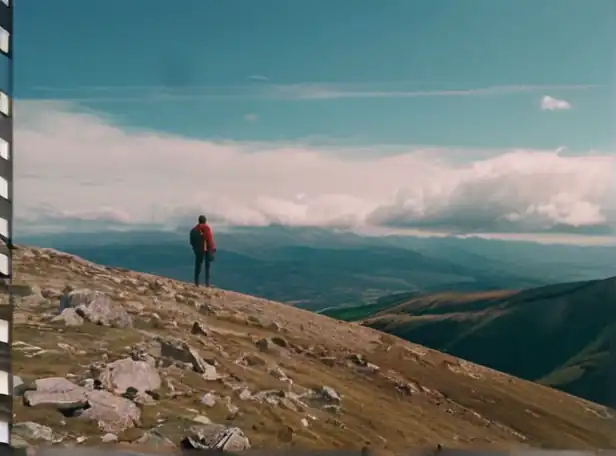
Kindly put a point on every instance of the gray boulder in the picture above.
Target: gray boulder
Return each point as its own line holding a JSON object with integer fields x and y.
{"x": 56, "y": 392}
{"x": 329, "y": 394}
{"x": 69, "y": 317}
{"x": 181, "y": 351}
{"x": 32, "y": 432}
{"x": 96, "y": 307}
{"x": 126, "y": 373}
{"x": 112, "y": 413}
{"x": 216, "y": 437}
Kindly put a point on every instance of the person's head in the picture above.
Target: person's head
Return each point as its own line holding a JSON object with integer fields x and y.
{"x": 202, "y": 219}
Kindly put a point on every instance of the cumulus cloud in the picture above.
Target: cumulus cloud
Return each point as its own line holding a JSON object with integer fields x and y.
{"x": 549, "y": 103}
{"x": 77, "y": 167}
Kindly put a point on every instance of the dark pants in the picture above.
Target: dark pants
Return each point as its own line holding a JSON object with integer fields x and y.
{"x": 202, "y": 258}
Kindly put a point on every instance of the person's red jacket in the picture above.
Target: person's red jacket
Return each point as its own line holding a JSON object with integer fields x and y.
{"x": 207, "y": 236}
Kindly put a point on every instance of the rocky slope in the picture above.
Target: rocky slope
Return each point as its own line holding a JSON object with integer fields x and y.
{"x": 112, "y": 357}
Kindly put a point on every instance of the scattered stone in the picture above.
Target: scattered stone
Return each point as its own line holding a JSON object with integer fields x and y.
{"x": 156, "y": 322}
{"x": 252, "y": 360}
{"x": 202, "y": 419}
{"x": 199, "y": 329}
{"x": 110, "y": 396}
{"x": 245, "y": 394}
{"x": 90, "y": 383}
{"x": 209, "y": 400}
{"x": 408, "y": 388}
{"x": 109, "y": 438}
{"x": 69, "y": 317}
{"x": 357, "y": 359}
{"x": 126, "y": 373}
{"x": 335, "y": 409}
{"x": 272, "y": 397}
{"x": 329, "y": 394}
{"x": 146, "y": 351}
{"x": 290, "y": 405}
{"x": 31, "y": 431}
{"x": 272, "y": 345}
{"x": 51, "y": 293}
{"x": 210, "y": 374}
{"x": 180, "y": 351}
{"x": 57, "y": 392}
{"x": 114, "y": 414}
{"x": 279, "y": 374}
{"x": 155, "y": 439}
{"x": 96, "y": 307}
{"x": 216, "y": 436}
{"x": 233, "y": 409}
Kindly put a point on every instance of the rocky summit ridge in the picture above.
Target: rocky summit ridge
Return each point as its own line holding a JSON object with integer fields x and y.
{"x": 108, "y": 356}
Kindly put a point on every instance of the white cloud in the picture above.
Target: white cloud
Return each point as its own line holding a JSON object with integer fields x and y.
{"x": 76, "y": 168}
{"x": 266, "y": 91}
{"x": 333, "y": 91}
{"x": 258, "y": 77}
{"x": 553, "y": 104}
{"x": 251, "y": 117}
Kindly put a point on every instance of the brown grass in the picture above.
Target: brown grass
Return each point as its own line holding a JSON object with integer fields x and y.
{"x": 494, "y": 410}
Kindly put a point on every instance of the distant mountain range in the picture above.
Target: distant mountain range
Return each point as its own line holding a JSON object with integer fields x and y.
{"x": 320, "y": 268}
{"x": 561, "y": 335}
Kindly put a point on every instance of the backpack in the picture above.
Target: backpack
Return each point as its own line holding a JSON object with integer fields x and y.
{"x": 196, "y": 240}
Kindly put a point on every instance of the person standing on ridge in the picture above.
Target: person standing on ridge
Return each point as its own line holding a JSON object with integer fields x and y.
{"x": 204, "y": 248}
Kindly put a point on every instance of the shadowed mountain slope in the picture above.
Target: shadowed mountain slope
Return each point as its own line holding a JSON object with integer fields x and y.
{"x": 561, "y": 335}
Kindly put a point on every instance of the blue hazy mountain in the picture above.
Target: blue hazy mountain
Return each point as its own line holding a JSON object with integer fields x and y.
{"x": 319, "y": 268}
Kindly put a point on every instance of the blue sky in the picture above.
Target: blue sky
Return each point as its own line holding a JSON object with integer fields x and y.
{"x": 201, "y": 46}
{"x": 336, "y": 78}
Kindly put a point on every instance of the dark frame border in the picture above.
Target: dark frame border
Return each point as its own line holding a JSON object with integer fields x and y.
{"x": 6, "y": 213}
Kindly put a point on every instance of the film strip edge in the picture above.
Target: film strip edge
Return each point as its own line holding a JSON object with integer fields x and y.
{"x": 6, "y": 220}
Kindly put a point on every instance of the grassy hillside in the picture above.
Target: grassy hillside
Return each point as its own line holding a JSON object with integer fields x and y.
{"x": 148, "y": 363}
{"x": 561, "y": 335}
